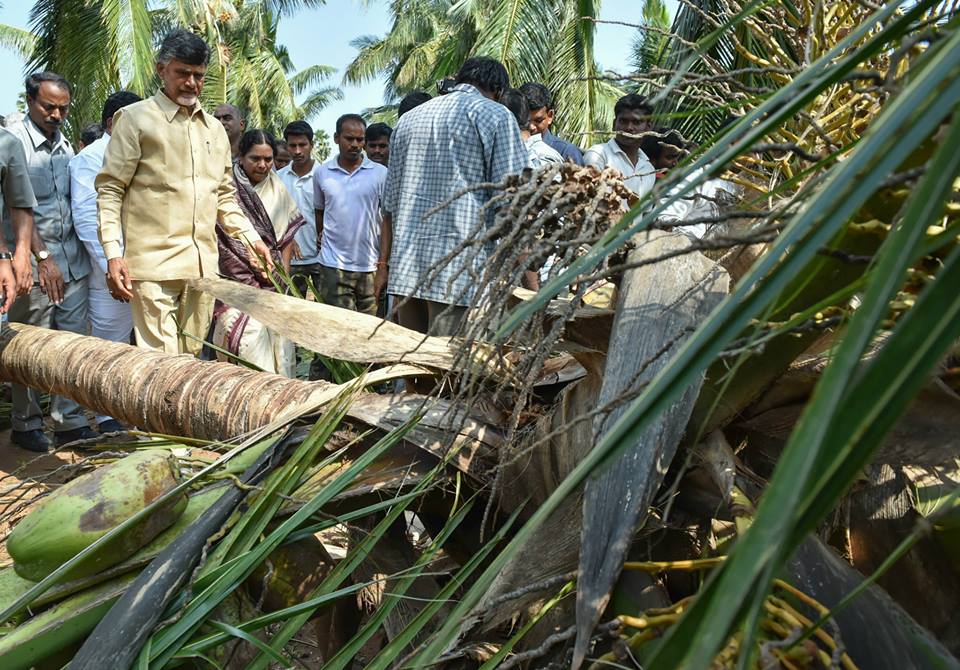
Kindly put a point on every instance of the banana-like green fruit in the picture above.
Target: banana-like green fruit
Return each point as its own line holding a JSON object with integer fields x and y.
{"x": 12, "y": 585}
{"x": 77, "y": 514}
{"x": 60, "y": 626}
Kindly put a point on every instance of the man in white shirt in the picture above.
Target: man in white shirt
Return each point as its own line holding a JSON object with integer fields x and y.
{"x": 348, "y": 191}
{"x": 631, "y": 118}
{"x": 298, "y": 177}
{"x": 109, "y": 318}
{"x": 690, "y": 213}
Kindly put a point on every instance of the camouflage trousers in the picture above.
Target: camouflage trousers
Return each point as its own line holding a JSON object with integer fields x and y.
{"x": 350, "y": 290}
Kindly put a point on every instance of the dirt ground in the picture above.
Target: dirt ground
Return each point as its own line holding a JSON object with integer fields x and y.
{"x": 17, "y": 468}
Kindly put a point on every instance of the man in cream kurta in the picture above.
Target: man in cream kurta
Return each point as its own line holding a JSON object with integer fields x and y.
{"x": 165, "y": 181}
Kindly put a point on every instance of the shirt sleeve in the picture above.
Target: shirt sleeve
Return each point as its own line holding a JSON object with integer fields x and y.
{"x": 83, "y": 202}
{"x": 391, "y": 188}
{"x": 319, "y": 201}
{"x": 572, "y": 152}
{"x": 17, "y": 189}
{"x": 594, "y": 158}
{"x": 119, "y": 165}
{"x": 235, "y": 223}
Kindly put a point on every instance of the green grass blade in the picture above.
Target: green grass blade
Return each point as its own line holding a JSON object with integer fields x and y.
{"x": 233, "y": 631}
{"x": 345, "y": 656}
{"x": 505, "y": 650}
{"x": 711, "y": 619}
{"x": 167, "y": 641}
{"x": 392, "y": 651}
{"x": 341, "y": 572}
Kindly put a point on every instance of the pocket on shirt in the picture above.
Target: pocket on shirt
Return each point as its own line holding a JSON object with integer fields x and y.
{"x": 41, "y": 178}
{"x": 61, "y": 165}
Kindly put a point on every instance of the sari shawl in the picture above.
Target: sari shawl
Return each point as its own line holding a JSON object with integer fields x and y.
{"x": 234, "y": 257}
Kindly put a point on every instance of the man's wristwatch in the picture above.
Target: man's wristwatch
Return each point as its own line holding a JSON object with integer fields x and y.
{"x": 6, "y": 256}
{"x": 42, "y": 255}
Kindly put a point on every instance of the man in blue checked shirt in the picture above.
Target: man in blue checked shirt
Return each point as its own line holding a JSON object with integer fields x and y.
{"x": 440, "y": 148}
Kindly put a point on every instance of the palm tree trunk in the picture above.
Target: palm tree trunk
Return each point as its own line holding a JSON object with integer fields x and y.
{"x": 165, "y": 393}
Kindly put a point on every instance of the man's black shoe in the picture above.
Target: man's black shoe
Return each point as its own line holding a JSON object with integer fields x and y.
{"x": 63, "y": 437}
{"x": 31, "y": 440}
{"x": 110, "y": 426}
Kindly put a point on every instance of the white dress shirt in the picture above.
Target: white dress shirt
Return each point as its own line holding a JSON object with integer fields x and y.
{"x": 639, "y": 178}
{"x": 698, "y": 204}
{"x": 301, "y": 188}
{"x": 83, "y": 198}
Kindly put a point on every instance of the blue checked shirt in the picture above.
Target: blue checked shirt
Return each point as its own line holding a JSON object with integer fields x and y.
{"x": 439, "y": 148}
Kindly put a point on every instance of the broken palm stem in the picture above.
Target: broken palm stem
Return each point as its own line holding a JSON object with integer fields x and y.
{"x": 351, "y": 336}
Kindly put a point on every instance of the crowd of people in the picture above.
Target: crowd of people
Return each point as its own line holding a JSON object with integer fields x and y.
{"x": 106, "y": 241}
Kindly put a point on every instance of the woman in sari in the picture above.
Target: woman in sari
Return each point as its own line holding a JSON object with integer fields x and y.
{"x": 274, "y": 214}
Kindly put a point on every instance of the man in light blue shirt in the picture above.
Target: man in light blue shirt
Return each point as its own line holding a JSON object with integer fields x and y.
{"x": 348, "y": 191}
{"x": 109, "y": 319}
{"x": 298, "y": 176}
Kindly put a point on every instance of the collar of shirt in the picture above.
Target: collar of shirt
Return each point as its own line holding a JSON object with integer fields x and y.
{"x": 467, "y": 88}
{"x": 39, "y": 139}
{"x": 287, "y": 172}
{"x": 641, "y": 157}
{"x": 334, "y": 164}
{"x": 170, "y": 108}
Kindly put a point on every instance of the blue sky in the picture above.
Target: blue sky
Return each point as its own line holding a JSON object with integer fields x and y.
{"x": 323, "y": 35}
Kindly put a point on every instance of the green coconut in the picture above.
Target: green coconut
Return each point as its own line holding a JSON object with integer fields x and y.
{"x": 79, "y": 513}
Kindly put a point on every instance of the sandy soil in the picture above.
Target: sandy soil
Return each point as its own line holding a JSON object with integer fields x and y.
{"x": 19, "y": 470}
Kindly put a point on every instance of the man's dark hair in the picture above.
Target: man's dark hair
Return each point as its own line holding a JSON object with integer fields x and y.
{"x": 182, "y": 45}
{"x": 350, "y": 117}
{"x": 652, "y": 145}
{"x": 298, "y": 128}
{"x": 256, "y": 136}
{"x": 632, "y": 101}
{"x": 516, "y": 102}
{"x": 33, "y": 81}
{"x": 538, "y": 96}
{"x": 485, "y": 73}
{"x": 411, "y": 100}
{"x": 377, "y": 130}
{"x": 116, "y": 101}
{"x": 91, "y": 133}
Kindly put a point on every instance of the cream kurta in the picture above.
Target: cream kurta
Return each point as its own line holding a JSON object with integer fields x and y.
{"x": 166, "y": 178}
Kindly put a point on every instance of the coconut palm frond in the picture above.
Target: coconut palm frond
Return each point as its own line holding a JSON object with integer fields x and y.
{"x": 18, "y": 40}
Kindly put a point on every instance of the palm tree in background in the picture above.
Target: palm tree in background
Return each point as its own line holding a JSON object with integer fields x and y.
{"x": 651, "y": 41}
{"x": 101, "y": 46}
{"x": 550, "y": 42}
